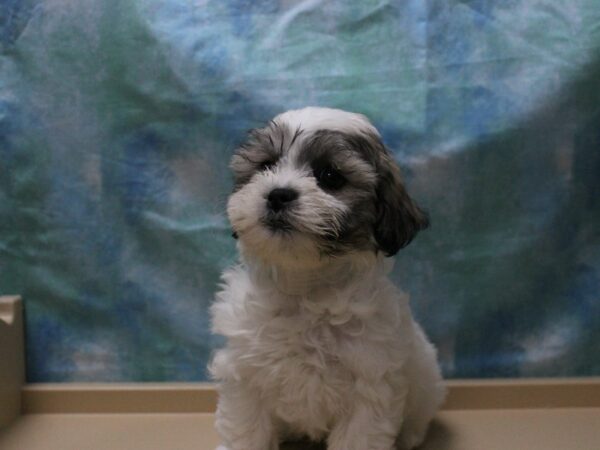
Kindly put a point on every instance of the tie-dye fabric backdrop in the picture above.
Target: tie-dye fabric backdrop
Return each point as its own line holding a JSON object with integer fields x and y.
{"x": 117, "y": 120}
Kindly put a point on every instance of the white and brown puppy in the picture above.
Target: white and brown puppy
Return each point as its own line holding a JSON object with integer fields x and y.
{"x": 319, "y": 342}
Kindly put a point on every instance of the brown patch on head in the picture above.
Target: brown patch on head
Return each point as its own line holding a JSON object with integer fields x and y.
{"x": 329, "y": 151}
{"x": 381, "y": 208}
{"x": 263, "y": 149}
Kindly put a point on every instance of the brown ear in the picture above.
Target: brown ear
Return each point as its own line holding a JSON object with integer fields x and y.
{"x": 399, "y": 219}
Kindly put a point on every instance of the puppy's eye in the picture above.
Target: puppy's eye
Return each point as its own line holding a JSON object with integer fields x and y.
{"x": 330, "y": 178}
{"x": 268, "y": 164}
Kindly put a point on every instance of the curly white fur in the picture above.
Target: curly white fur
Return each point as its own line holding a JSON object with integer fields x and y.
{"x": 345, "y": 361}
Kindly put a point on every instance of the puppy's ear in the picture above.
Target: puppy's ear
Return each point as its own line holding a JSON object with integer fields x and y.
{"x": 399, "y": 218}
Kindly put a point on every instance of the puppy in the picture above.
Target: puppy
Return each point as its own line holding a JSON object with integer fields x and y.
{"x": 320, "y": 343}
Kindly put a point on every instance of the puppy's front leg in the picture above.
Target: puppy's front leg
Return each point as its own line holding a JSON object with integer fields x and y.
{"x": 367, "y": 427}
{"x": 241, "y": 420}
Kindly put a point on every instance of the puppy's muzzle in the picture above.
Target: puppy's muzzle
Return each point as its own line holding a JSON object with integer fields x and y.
{"x": 280, "y": 198}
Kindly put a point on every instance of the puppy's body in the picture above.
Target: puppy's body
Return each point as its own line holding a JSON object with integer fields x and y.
{"x": 320, "y": 343}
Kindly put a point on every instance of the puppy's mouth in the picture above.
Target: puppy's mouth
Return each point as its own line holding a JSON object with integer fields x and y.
{"x": 277, "y": 223}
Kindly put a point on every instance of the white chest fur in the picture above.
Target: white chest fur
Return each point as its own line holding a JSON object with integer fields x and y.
{"x": 305, "y": 353}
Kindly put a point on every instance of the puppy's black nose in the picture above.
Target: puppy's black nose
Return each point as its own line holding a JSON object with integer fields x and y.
{"x": 279, "y": 198}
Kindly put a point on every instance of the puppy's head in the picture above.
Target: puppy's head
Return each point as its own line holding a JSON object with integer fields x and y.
{"x": 318, "y": 183}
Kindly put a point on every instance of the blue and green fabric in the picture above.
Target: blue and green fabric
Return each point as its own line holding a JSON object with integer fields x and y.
{"x": 118, "y": 118}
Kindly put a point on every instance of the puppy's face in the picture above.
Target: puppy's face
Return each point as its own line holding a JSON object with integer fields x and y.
{"x": 318, "y": 183}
